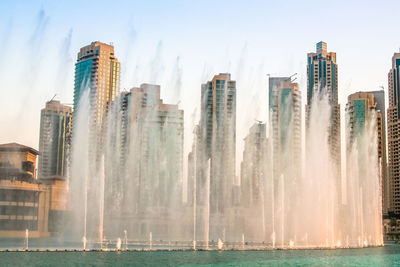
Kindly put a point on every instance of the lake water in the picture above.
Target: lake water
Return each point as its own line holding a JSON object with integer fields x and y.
{"x": 389, "y": 255}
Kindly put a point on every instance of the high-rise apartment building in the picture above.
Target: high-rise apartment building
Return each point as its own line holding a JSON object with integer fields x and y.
{"x": 285, "y": 115}
{"x": 144, "y": 168}
{"x": 255, "y": 184}
{"x": 322, "y": 78}
{"x": 358, "y": 111}
{"x": 380, "y": 107}
{"x": 157, "y": 136}
{"x": 361, "y": 109}
{"x": 363, "y": 115}
{"x": 253, "y": 166}
{"x": 98, "y": 70}
{"x": 54, "y": 140}
{"x": 97, "y": 76}
{"x": 394, "y": 134}
{"x": 55, "y": 147}
{"x": 218, "y": 138}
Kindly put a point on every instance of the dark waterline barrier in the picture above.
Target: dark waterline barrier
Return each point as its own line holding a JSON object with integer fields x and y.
{"x": 181, "y": 249}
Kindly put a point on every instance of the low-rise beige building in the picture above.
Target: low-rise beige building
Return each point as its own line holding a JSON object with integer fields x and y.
{"x": 24, "y": 203}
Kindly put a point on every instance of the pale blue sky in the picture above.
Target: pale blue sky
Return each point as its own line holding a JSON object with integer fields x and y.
{"x": 170, "y": 41}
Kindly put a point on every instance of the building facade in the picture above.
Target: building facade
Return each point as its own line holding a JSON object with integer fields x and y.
{"x": 322, "y": 79}
{"x": 146, "y": 147}
{"x": 393, "y": 122}
{"x": 97, "y": 73}
{"x": 253, "y": 166}
{"x": 361, "y": 111}
{"x": 218, "y": 134}
{"x": 380, "y": 107}
{"x": 285, "y": 115}
{"x": 54, "y": 140}
{"x": 97, "y": 70}
{"x": 24, "y": 203}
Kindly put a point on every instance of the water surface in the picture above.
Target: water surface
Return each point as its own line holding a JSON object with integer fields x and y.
{"x": 380, "y": 256}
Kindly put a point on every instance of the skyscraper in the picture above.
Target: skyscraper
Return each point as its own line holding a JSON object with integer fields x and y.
{"x": 255, "y": 184}
{"x": 98, "y": 71}
{"x": 285, "y": 115}
{"x": 380, "y": 108}
{"x": 361, "y": 108}
{"x": 96, "y": 85}
{"x": 253, "y": 165}
{"x": 218, "y": 136}
{"x": 393, "y": 134}
{"x": 55, "y": 140}
{"x": 157, "y": 136}
{"x": 322, "y": 78}
{"x": 144, "y": 169}
{"x": 55, "y": 147}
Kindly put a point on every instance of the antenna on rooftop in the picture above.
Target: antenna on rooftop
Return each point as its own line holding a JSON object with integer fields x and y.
{"x": 53, "y": 97}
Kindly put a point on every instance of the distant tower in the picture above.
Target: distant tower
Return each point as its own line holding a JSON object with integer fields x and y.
{"x": 255, "y": 183}
{"x": 393, "y": 134}
{"x": 285, "y": 112}
{"x": 144, "y": 171}
{"x": 155, "y": 148}
{"x": 322, "y": 75}
{"x": 285, "y": 116}
{"x": 380, "y": 108}
{"x": 359, "y": 110}
{"x": 218, "y": 138}
{"x": 253, "y": 165}
{"x": 55, "y": 140}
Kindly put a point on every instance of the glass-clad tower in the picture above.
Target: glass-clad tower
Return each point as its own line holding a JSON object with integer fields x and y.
{"x": 97, "y": 70}
{"x": 97, "y": 76}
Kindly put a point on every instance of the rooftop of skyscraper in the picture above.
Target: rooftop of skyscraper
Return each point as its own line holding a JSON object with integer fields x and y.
{"x": 55, "y": 105}
{"x": 94, "y": 49}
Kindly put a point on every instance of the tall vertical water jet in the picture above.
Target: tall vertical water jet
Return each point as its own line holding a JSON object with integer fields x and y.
{"x": 79, "y": 174}
{"x": 133, "y": 187}
{"x": 126, "y": 239}
{"x": 26, "y": 239}
{"x": 101, "y": 202}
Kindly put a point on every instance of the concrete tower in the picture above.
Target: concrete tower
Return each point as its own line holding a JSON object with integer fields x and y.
{"x": 55, "y": 140}
{"x": 393, "y": 134}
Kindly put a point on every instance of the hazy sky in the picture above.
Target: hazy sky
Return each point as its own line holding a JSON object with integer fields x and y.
{"x": 181, "y": 44}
